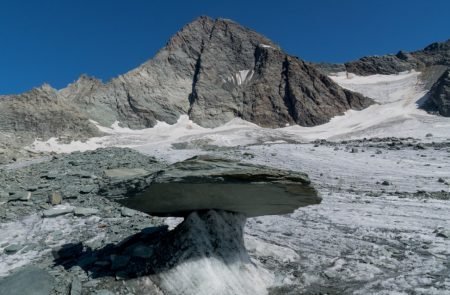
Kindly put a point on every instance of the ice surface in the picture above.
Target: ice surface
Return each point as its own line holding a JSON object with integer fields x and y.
{"x": 36, "y": 235}
{"x": 355, "y": 241}
{"x": 213, "y": 276}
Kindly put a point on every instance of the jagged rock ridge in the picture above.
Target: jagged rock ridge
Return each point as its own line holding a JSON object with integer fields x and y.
{"x": 213, "y": 70}
{"x": 435, "y": 54}
{"x": 41, "y": 111}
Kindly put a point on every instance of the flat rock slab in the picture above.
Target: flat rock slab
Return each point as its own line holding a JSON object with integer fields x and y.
{"x": 11, "y": 249}
{"x": 28, "y": 281}
{"x": 203, "y": 183}
{"x": 124, "y": 173}
{"x": 54, "y": 212}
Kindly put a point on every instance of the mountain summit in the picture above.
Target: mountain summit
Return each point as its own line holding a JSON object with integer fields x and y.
{"x": 212, "y": 70}
{"x": 239, "y": 73}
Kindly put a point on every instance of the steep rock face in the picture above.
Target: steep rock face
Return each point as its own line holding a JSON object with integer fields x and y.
{"x": 158, "y": 90}
{"x": 253, "y": 79}
{"x": 432, "y": 55}
{"x": 213, "y": 70}
{"x": 299, "y": 94}
{"x": 439, "y": 96}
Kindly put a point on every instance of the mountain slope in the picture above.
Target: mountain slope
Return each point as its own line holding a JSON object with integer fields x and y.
{"x": 433, "y": 62}
{"x": 42, "y": 112}
{"x": 255, "y": 80}
{"x": 216, "y": 70}
{"x": 213, "y": 70}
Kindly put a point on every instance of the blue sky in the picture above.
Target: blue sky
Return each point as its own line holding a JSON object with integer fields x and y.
{"x": 56, "y": 41}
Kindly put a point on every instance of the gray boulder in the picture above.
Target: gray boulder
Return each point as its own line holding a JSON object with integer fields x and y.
{"x": 13, "y": 248}
{"x": 55, "y": 198}
{"x": 76, "y": 287}
{"x": 203, "y": 183}
{"x": 125, "y": 173}
{"x": 56, "y": 212}
{"x": 28, "y": 281}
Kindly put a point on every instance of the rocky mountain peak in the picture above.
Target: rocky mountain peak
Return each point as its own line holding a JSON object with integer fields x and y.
{"x": 193, "y": 37}
{"x": 241, "y": 73}
{"x": 188, "y": 41}
{"x": 81, "y": 87}
{"x": 45, "y": 90}
{"x": 213, "y": 70}
{"x": 86, "y": 79}
{"x": 438, "y": 46}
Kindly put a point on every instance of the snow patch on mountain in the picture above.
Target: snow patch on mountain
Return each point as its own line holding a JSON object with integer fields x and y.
{"x": 383, "y": 88}
{"x": 240, "y": 77}
{"x": 396, "y": 114}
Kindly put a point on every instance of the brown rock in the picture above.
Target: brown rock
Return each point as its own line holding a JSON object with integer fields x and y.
{"x": 55, "y": 198}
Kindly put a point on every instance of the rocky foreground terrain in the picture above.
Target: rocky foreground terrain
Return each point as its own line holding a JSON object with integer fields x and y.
{"x": 357, "y": 161}
{"x": 381, "y": 227}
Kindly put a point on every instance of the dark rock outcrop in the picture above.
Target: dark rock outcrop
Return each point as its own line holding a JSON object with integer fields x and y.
{"x": 329, "y": 68}
{"x": 212, "y": 70}
{"x": 385, "y": 65}
{"x": 439, "y": 96}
